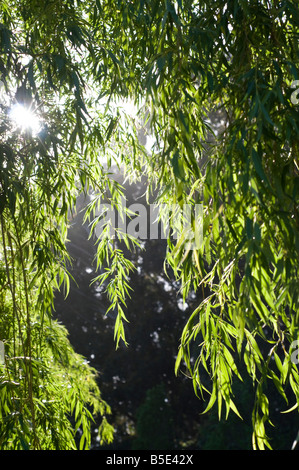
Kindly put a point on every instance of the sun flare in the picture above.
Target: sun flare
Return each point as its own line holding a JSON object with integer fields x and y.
{"x": 25, "y": 119}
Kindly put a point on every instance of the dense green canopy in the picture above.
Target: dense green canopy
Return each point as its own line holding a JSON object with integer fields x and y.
{"x": 215, "y": 84}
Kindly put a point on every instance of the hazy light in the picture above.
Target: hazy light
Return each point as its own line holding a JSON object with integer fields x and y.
{"x": 25, "y": 119}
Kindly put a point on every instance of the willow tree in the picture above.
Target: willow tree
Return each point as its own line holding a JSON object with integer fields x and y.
{"x": 214, "y": 85}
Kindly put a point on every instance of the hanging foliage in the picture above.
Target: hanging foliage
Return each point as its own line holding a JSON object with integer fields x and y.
{"x": 214, "y": 82}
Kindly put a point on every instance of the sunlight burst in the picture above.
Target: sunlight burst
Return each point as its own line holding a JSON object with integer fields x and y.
{"x": 25, "y": 119}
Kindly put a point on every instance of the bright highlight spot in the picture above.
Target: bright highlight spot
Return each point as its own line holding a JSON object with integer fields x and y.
{"x": 25, "y": 119}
